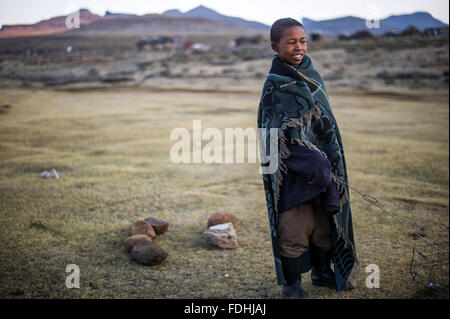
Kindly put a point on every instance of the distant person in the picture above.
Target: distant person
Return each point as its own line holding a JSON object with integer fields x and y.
{"x": 308, "y": 205}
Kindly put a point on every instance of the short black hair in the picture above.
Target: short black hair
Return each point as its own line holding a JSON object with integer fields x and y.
{"x": 278, "y": 27}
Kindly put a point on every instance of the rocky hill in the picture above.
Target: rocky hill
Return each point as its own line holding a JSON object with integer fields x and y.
{"x": 193, "y": 22}
{"x": 50, "y": 26}
{"x": 207, "y": 13}
{"x": 160, "y": 24}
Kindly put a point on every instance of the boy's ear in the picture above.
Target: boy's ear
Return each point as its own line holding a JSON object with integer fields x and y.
{"x": 274, "y": 46}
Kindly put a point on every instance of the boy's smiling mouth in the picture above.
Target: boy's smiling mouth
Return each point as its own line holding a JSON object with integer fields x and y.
{"x": 298, "y": 57}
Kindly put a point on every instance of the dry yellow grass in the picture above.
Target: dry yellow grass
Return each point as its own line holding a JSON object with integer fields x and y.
{"x": 111, "y": 149}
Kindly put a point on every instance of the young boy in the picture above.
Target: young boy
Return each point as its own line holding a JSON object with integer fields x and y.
{"x": 308, "y": 205}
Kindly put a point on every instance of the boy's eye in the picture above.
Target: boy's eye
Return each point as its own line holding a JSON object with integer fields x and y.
{"x": 293, "y": 42}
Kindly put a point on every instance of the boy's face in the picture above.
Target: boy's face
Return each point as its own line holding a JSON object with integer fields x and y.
{"x": 292, "y": 45}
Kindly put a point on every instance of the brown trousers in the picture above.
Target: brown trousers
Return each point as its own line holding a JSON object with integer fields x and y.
{"x": 301, "y": 225}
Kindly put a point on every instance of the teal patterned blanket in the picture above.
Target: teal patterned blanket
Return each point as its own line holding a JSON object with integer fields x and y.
{"x": 295, "y": 100}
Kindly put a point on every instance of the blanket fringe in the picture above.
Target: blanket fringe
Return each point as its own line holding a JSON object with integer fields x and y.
{"x": 344, "y": 198}
{"x": 342, "y": 191}
{"x": 285, "y": 153}
{"x": 356, "y": 266}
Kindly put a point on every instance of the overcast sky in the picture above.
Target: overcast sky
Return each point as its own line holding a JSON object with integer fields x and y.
{"x": 266, "y": 11}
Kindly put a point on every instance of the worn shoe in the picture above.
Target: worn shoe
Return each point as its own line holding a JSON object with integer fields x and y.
{"x": 321, "y": 273}
{"x": 323, "y": 279}
{"x": 294, "y": 291}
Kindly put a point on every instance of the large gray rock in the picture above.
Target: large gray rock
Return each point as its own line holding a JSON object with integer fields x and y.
{"x": 148, "y": 253}
{"x": 222, "y": 235}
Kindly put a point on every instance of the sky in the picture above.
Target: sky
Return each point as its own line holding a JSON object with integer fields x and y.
{"x": 266, "y": 11}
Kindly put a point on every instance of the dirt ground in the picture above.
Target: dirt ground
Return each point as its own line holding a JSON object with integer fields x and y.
{"x": 111, "y": 149}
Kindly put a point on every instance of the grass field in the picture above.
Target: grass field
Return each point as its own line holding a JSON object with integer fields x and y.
{"x": 111, "y": 148}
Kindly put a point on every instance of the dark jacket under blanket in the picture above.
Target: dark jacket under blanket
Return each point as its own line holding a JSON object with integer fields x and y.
{"x": 309, "y": 177}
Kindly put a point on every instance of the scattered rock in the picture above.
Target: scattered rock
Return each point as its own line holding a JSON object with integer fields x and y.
{"x": 55, "y": 173}
{"x": 390, "y": 77}
{"x": 142, "y": 227}
{"x": 140, "y": 245}
{"x": 121, "y": 76}
{"x": 148, "y": 254}
{"x": 221, "y": 218}
{"x": 222, "y": 235}
{"x": 159, "y": 226}
{"x": 4, "y": 108}
{"x": 132, "y": 241}
{"x": 47, "y": 174}
{"x": 93, "y": 72}
{"x": 334, "y": 75}
{"x": 230, "y": 70}
{"x": 223, "y": 62}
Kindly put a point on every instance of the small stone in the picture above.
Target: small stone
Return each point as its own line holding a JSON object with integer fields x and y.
{"x": 222, "y": 235}
{"x": 148, "y": 254}
{"x": 45, "y": 174}
{"x": 135, "y": 240}
{"x": 159, "y": 226}
{"x": 142, "y": 227}
{"x": 55, "y": 173}
{"x": 221, "y": 218}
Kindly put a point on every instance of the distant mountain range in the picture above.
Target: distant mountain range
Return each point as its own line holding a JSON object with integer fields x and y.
{"x": 203, "y": 20}
{"x": 349, "y": 25}
{"x": 160, "y": 24}
{"x": 203, "y": 12}
{"x": 177, "y": 23}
